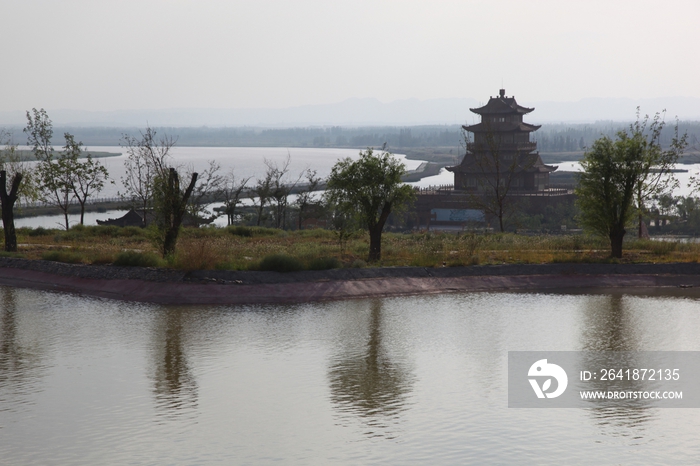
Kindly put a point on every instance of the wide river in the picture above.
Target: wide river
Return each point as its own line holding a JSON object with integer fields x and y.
{"x": 419, "y": 380}
{"x": 250, "y": 162}
{"x": 244, "y": 162}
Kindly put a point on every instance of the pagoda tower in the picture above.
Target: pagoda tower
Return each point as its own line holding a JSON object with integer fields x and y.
{"x": 502, "y": 150}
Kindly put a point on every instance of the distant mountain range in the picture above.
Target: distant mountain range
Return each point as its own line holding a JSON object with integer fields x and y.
{"x": 368, "y": 112}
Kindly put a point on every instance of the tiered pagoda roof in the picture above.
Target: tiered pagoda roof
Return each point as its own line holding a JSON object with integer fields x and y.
{"x": 502, "y": 135}
{"x": 501, "y": 104}
{"x": 501, "y": 127}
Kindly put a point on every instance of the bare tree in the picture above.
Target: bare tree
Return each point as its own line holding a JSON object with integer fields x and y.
{"x": 21, "y": 186}
{"x": 232, "y": 191}
{"x": 280, "y": 189}
{"x": 656, "y": 170}
{"x": 152, "y": 181}
{"x": 306, "y": 196}
{"x": 497, "y": 174}
{"x": 210, "y": 185}
{"x": 147, "y": 158}
{"x": 262, "y": 191}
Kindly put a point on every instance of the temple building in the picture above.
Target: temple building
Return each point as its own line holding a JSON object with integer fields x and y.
{"x": 501, "y": 151}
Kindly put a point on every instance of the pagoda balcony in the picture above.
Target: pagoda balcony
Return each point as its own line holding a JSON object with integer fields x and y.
{"x": 503, "y": 146}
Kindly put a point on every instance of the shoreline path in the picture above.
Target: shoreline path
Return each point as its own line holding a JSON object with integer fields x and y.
{"x": 167, "y": 286}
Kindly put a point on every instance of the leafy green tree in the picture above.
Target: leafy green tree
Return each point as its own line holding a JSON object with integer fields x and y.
{"x": 616, "y": 173}
{"x": 56, "y": 177}
{"x": 65, "y": 177}
{"x": 86, "y": 177}
{"x": 53, "y": 173}
{"x": 371, "y": 188}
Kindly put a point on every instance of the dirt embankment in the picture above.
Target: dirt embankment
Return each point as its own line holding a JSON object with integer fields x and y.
{"x": 229, "y": 287}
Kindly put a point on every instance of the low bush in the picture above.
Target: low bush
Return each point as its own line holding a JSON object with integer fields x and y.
{"x": 255, "y": 231}
{"x": 280, "y": 263}
{"x": 324, "y": 263}
{"x": 68, "y": 256}
{"x": 199, "y": 254}
{"x": 661, "y": 248}
{"x": 137, "y": 259}
{"x": 38, "y": 231}
{"x": 240, "y": 231}
{"x": 358, "y": 264}
{"x": 11, "y": 254}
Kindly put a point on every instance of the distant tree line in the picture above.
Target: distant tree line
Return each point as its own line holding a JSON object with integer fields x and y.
{"x": 550, "y": 138}
{"x": 572, "y": 138}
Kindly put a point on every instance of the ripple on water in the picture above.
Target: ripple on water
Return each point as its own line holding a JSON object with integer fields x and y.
{"x": 401, "y": 380}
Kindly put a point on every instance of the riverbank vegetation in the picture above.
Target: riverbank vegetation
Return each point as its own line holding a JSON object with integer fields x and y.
{"x": 256, "y": 248}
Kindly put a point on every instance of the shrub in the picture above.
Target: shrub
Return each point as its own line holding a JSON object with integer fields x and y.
{"x": 70, "y": 257}
{"x": 358, "y": 264}
{"x": 324, "y": 263}
{"x": 240, "y": 231}
{"x": 10, "y": 254}
{"x": 280, "y": 263}
{"x": 137, "y": 259}
{"x": 661, "y": 248}
{"x": 198, "y": 254}
{"x": 132, "y": 231}
{"x": 39, "y": 231}
{"x": 255, "y": 231}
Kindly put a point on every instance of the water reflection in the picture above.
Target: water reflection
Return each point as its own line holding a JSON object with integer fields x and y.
{"x": 609, "y": 325}
{"x": 20, "y": 361}
{"x": 174, "y": 385}
{"x": 366, "y": 383}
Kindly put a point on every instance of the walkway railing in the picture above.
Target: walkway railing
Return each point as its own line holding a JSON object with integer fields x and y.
{"x": 448, "y": 189}
{"x": 91, "y": 200}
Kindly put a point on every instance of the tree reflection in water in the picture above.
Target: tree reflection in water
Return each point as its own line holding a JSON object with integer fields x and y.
{"x": 609, "y": 325}
{"x": 20, "y": 362}
{"x": 175, "y": 387}
{"x": 366, "y": 384}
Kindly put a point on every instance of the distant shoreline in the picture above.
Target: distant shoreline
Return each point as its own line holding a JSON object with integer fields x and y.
{"x": 167, "y": 286}
{"x": 26, "y": 155}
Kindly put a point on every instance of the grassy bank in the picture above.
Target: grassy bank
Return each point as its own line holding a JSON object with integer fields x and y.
{"x": 250, "y": 248}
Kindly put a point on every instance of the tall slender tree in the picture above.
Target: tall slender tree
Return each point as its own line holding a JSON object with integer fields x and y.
{"x": 87, "y": 177}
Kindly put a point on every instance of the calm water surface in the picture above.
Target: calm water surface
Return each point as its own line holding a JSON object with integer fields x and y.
{"x": 389, "y": 381}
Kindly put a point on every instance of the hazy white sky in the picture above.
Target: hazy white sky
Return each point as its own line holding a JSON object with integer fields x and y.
{"x": 139, "y": 54}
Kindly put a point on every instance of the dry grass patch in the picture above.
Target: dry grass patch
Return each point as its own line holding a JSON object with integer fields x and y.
{"x": 243, "y": 248}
